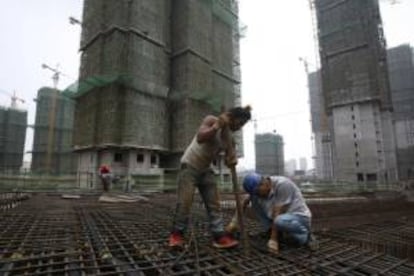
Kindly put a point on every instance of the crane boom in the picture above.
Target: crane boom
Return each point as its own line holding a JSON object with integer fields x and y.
{"x": 13, "y": 98}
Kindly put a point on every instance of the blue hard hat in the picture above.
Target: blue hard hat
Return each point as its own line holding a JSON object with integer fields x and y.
{"x": 251, "y": 182}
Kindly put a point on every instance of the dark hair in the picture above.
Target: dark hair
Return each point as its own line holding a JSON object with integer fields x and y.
{"x": 242, "y": 113}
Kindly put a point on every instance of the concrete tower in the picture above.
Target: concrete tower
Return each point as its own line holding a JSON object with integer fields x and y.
{"x": 401, "y": 72}
{"x": 356, "y": 90}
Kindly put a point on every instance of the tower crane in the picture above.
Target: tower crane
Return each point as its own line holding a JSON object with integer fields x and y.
{"x": 14, "y": 99}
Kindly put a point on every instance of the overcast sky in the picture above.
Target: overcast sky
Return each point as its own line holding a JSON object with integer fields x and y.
{"x": 274, "y": 80}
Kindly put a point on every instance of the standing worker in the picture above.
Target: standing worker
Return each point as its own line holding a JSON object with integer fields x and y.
{"x": 106, "y": 177}
{"x": 214, "y": 135}
{"x": 280, "y": 208}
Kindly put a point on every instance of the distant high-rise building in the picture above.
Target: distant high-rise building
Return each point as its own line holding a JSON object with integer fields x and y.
{"x": 13, "y": 124}
{"x": 53, "y": 130}
{"x": 321, "y": 133}
{"x": 290, "y": 167}
{"x": 401, "y": 73}
{"x": 150, "y": 71}
{"x": 356, "y": 90}
{"x": 303, "y": 164}
{"x": 269, "y": 154}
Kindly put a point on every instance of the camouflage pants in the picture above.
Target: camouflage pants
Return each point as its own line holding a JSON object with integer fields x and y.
{"x": 188, "y": 180}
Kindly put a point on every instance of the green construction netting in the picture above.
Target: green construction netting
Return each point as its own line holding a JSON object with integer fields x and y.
{"x": 224, "y": 11}
{"x": 79, "y": 88}
{"x": 215, "y": 99}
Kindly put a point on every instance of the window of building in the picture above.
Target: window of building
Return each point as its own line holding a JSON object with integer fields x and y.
{"x": 355, "y": 135}
{"x": 356, "y": 144}
{"x": 352, "y": 107}
{"x": 153, "y": 159}
{"x": 371, "y": 177}
{"x": 357, "y": 164}
{"x": 140, "y": 158}
{"x": 353, "y": 126}
{"x": 360, "y": 177}
{"x": 118, "y": 156}
{"x": 356, "y": 154}
{"x": 353, "y": 117}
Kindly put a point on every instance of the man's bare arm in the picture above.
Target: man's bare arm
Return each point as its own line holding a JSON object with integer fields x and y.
{"x": 277, "y": 210}
{"x": 208, "y": 129}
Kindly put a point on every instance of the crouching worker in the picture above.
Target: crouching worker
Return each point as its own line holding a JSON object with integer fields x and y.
{"x": 281, "y": 210}
{"x": 213, "y": 136}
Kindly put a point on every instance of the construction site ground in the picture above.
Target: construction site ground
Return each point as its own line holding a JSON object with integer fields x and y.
{"x": 51, "y": 234}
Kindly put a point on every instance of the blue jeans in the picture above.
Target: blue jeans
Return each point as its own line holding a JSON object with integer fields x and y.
{"x": 188, "y": 179}
{"x": 296, "y": 226}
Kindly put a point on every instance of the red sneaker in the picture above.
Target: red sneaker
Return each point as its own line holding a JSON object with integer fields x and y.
{"x": 225, "y": 241}
{"x": 176, "y": 239}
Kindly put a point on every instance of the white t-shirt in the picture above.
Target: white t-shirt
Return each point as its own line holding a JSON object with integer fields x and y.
{"x": 285, "y": 192}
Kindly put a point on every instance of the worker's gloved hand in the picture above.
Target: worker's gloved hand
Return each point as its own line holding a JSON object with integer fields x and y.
{"x": 231, "y": 160}
{"x": 273, "y": 246}
{"x": 231, "y": 227}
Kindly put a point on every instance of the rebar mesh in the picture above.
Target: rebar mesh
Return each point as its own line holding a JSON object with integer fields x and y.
{"x": 47, "y": 235}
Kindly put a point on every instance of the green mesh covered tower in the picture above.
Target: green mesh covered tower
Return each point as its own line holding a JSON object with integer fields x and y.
{"x": 270, "y": 158}
{"x": 150, "y": 71}
{"x": 13, "y": 123}
{"x": 53, "y": 131}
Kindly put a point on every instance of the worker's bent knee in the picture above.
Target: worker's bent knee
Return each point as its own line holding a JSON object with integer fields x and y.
{"x": 290, "y": 223}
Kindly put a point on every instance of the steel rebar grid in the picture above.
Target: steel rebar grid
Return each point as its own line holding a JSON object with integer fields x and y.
{"x": 11, "y": 200}
{"x": 50, "y": 236}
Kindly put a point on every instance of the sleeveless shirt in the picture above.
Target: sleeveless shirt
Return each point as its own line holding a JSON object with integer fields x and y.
{"x": 201, "y": 155}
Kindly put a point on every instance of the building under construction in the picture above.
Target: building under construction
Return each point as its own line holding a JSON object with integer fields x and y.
{"x": 13, "y": 124}
{"x": 401, "y": 73}
{"x": 270, "y": 158}
{"x": 150, "y": 71}
{"x": 356, "y": 90}
{"x": 53, "y": 130}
